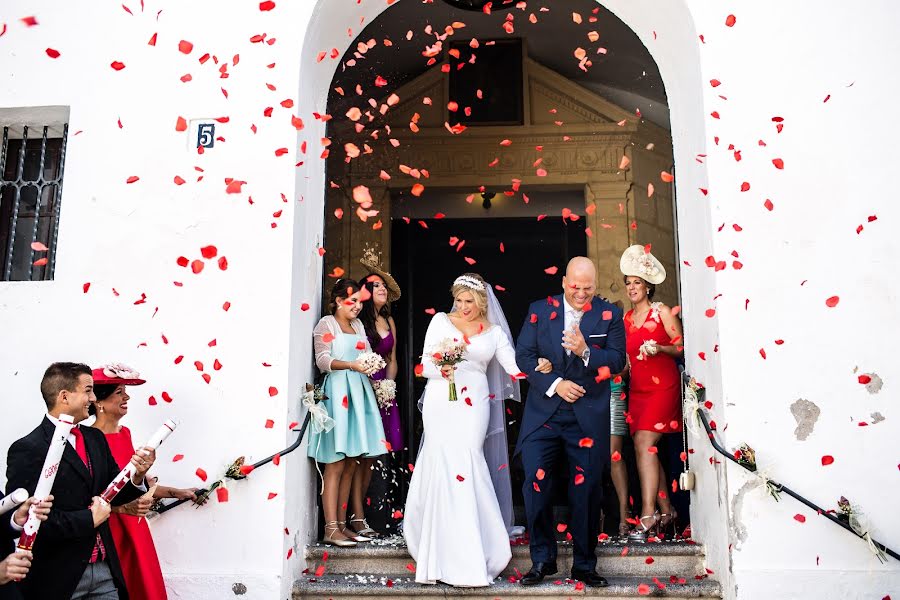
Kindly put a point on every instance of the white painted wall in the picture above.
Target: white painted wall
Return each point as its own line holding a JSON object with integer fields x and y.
{"x": 838, "y": 166}
{"x": 128, "y": 237}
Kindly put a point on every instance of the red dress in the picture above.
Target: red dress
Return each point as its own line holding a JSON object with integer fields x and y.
{"x": 134, "y": 544}
{"x": 654, "y": 395}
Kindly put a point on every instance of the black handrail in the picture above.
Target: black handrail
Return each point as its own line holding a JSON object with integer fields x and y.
{"x": 780, "y": 487}
{"x": 265, "y": 461}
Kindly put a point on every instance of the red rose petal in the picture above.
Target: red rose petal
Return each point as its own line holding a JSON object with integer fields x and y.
{"x": 185, "y": 47}
{"x": 273, "y": 390}
{"x": 800, "y": 518}
{"x": 460, "y": 478}
{"x": 586, "y": 442}
{"x": 201, "y": 474}
{"x": 221, "y": 494}
{"x": 52, "y": 53}
{"x": 730, "y": 20}
{"x": 832, "y": 302}
{"x": 827, "y": 460}
{"x": 616, "y": 456}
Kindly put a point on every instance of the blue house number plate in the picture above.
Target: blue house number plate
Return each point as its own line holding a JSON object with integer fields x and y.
{"x": 206, "y": 135}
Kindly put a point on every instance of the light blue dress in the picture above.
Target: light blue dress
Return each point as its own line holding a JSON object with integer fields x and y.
{"x": 351, "y": 401}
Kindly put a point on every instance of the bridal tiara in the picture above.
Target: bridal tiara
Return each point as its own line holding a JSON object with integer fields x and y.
{"x": 469, "y": 282}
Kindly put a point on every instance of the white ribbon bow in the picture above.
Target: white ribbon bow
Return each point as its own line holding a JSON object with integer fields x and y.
{"x": 320, "y": 421}
{"x": 860, "y": 524}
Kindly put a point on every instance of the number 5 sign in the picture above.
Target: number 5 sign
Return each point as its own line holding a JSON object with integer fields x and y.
{"x": 206, "y": 135}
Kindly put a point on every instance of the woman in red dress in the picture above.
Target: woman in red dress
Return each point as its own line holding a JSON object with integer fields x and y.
{"x": 134, "y": 544}
{"x": 653, "y": 342}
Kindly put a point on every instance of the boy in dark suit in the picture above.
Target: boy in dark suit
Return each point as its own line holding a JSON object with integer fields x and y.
{"x": 74, "y": 555}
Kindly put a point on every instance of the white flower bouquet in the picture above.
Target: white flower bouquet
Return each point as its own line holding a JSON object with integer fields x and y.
{"x": 385, "y": 392}
{"x": 371, "y": 361}
{"x": 648, "y": 349}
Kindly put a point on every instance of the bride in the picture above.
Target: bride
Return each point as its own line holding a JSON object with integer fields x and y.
{"x": 454, "y": 525}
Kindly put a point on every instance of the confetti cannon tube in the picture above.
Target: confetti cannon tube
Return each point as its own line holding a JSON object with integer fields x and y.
{"x": 13, "y": 500}
{"x": 45, "y": 481}
{"x": 125, "y": 474}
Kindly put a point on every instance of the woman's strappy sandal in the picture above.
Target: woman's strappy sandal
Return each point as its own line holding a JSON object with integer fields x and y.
{"x": 334, "y": 527}
{"x": 354, "y": 535}
{"x": 669, "y": 520}
{"x": 366, "y": 530}
{"x": 642, "y": 531}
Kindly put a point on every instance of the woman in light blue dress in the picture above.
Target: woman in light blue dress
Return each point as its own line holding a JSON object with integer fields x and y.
{"x": 339, "y": 340}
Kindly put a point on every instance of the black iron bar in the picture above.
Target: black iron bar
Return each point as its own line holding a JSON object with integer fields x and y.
{"x": 288, "y": 450}
{"x": 15, "y": 208}
{"x": 779, "y": 487}
{"x": 57, "y": 201}
{"x": 39, "y": 184}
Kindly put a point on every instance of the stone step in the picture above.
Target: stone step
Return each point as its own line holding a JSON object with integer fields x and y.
{"x": 661, "y": 559}
{"x": 365, "y": 587}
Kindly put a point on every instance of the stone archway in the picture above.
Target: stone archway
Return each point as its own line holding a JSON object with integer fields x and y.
{"x": 669, "y": 33}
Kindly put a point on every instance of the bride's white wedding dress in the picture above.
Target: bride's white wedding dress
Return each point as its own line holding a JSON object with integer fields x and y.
{"x": 453, "y": 524}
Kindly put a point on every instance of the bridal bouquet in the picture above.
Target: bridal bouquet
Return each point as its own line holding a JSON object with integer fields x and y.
{"x": 371, "y": 361}
{"x": 449, "y": 352}
{"x": 385, "y": 392}
{"x": 647, "y": 349}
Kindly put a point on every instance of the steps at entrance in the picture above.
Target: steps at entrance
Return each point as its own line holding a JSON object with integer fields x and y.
{"x": 669, "y": 569}
{"x": 353, "y": 587}
{"x": 682, "y": 559}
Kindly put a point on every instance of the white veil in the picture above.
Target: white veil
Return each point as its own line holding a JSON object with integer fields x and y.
{"x": 496, "y": 444}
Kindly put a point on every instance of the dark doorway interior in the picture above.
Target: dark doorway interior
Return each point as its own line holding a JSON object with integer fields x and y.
{"x": 425, "y": 265}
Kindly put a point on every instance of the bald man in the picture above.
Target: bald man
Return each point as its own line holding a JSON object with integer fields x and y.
{"x": 567, "y": 411}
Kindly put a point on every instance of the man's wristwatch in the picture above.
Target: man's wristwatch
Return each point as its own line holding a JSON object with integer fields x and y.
{"x": 586, "y": 355}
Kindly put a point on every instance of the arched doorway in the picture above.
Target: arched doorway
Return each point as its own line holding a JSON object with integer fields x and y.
{"x": 668, "y": 34}
{"x": 558, "y": 169}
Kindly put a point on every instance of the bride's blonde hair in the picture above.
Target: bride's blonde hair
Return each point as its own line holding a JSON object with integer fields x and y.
{"x": 476, "y": 285}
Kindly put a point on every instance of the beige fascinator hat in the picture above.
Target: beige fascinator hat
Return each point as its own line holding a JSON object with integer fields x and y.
{"x": 638, "y": 262}
{"x": 372, "y": 264}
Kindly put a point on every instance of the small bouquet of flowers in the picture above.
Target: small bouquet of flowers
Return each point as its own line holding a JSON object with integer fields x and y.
{"x": 371, "y": 361}
{"x": 385, "y": 392}
{"x": 449, "y": 352}
{"x": 746, "y": 457}
{"x": 647, "y": 349}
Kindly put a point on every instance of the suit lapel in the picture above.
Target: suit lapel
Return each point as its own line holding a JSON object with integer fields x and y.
{"x": 590, "y": 319}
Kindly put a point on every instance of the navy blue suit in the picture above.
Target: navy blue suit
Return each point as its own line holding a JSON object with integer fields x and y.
{"x": 551, "y": 426}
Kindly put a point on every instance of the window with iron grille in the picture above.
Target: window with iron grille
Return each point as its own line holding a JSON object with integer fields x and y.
{"x": 31, "y": 175}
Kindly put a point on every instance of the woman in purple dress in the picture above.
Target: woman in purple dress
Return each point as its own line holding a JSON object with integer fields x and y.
{"x": 382, "y": 334}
